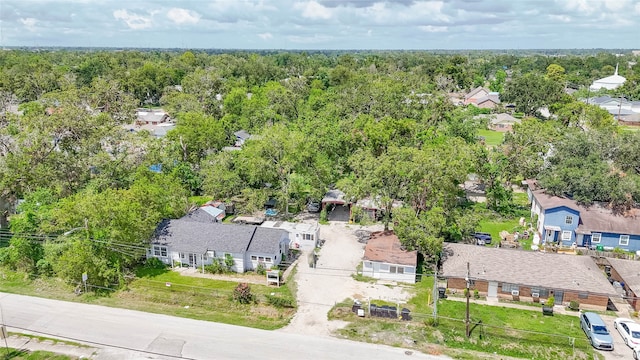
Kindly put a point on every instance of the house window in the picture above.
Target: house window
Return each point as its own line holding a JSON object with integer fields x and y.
{"x": 204, "y": 257}
{"x": 393, "y": 269}
{"x": 181, "y": 255}
{"x": 624, "y": 240}
{"x": 566, "y": 235}
{"x": 384, "y": 267}
{"x": 595, "y": 238}
{"x": 261, "y": 258}
{"x": 160, "y": 251}
{"x": 568, "y": 220}
{"x": 543, "y": 293}
{"x": 267, "y": 259}
{"x": 254, "y": 258}
{"x": 583, "y": 295}
{"x": 367, "y": 265}
{"x": 307, "y": 237}
{"x": 508, "y": 288}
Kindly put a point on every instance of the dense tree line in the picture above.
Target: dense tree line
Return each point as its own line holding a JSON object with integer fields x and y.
{"x": 377, "y": 125}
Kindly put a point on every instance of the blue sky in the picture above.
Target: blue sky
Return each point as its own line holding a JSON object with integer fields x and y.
{"x": 322, "y": 24}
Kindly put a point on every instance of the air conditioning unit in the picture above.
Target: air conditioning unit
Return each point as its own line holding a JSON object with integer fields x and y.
{"x": 535, "y": 295}
{"x": 515, "y": 292}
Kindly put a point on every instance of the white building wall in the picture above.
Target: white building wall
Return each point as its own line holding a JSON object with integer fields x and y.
{"x": 381, "y": 271}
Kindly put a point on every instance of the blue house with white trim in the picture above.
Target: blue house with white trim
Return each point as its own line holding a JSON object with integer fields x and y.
{"x": 566, "y": 222}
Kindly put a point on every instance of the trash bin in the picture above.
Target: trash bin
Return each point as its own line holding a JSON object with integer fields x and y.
{"x": 405, "y": 314}
{"x": 442, "y": 293}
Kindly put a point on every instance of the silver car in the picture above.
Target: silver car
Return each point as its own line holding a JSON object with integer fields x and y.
{"x": 596, "y": 331}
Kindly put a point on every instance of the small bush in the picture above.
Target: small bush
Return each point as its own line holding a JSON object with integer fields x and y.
{"x": 242, "y": 294}
{"x": 550, "y": 301}
{"x": 574, "y": 305}
{"x": 476, "y": 294}
{"x": 279, "y": 302}
{"x": 260, "y": 269}
{"x": 154, "y": 263}
{"x": 323, "y": 216}
{"x": 216, "y": 267}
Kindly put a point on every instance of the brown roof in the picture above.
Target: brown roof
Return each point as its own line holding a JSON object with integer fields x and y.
{"x": 629, "y": 270}
{"x": 546, "y": 270}
{"x": 384, "y": 246}
{"x": 594, "y": 218}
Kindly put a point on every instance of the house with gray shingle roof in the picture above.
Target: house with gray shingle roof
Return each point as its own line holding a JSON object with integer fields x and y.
{"x": 198, "y": 240}
{"x": 527, "y": 275}
{"x": 563, "y": 220}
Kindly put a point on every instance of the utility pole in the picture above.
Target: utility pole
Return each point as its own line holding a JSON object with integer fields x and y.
{"x": 435, "y": 292}
{"x": 468, "y": 279}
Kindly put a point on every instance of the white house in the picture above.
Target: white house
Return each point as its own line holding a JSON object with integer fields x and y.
{"x": 610, "y": 82}
{"x": 385, "y": 259}
{"x": 302, "y": 236}
{"x": 197, "y": 240}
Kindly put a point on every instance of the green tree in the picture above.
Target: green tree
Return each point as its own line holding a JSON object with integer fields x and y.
{"x": 197, "y": 134}
{"x": 531, "y": 91}
{"x": 421, "y": 231}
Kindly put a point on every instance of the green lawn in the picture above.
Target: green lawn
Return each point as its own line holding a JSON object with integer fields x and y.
{"x": 495, "y": 331}
{"x": 190, "y": 297}
{"x": 491, "y": 138}
{"x": 19, "y": 354}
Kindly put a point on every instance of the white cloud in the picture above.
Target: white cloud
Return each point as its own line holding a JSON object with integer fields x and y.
{"x": 561, "y": 18}
{"x": 616, "y": 5}
{"x": 183, "y": 16}
{"x": 433, "y": 29}
{"x": 29, "y": 23}
{"x": 314, "y": 10}
{"x": 265, "y": 36}
{"x": 133, "y": 21}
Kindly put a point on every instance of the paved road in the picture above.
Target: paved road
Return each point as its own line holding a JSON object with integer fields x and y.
{"x": 173, "y": 337}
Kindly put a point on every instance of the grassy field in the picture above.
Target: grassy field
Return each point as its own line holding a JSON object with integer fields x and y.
{"x": 496, "y": 331}
{"x": 190, "y": 297}
{"x": 491, "y": 138}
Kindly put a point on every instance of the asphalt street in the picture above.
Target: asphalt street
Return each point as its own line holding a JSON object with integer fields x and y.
{"x": 127, "y": 334}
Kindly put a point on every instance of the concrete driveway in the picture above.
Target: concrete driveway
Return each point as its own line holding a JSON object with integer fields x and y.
{"x": 330, "y": 282}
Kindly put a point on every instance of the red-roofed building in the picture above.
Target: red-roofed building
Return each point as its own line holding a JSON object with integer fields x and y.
{"x": 386, "y": 259}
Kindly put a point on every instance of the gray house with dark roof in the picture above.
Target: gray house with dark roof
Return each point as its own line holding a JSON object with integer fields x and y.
{"x": 196, "y": 240}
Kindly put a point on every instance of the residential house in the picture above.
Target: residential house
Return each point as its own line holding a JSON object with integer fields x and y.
{"x": 526, "y": 275}
{"x": 197, "y": 239}
{"x": 563, "y": 220}
{"x": 386, "y": 259}
{"x": 620, "y": 108}
{"x": 304, "y": 236}
{"x": 502, "y": 122}
{"x": 609, "y": 83}
{"x": 151, "y": 117}
{"x": 627, "y": 272}
{"x": 482, "y": 98}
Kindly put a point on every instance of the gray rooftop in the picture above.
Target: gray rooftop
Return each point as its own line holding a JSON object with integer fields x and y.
{"x": 194, "y": 234}
{"x": 536, "y": 269}
{"x": 269, "y": 242}
{"x": 629, "y": 270}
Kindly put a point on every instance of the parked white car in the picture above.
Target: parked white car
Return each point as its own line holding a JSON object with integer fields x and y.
{"x": 630, "y": 332}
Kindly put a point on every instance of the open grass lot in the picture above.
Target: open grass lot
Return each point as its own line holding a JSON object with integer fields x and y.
{"x": 196, "y": 298}
{"x": 507, "y": 332}
{"x": 491, "y": 138}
